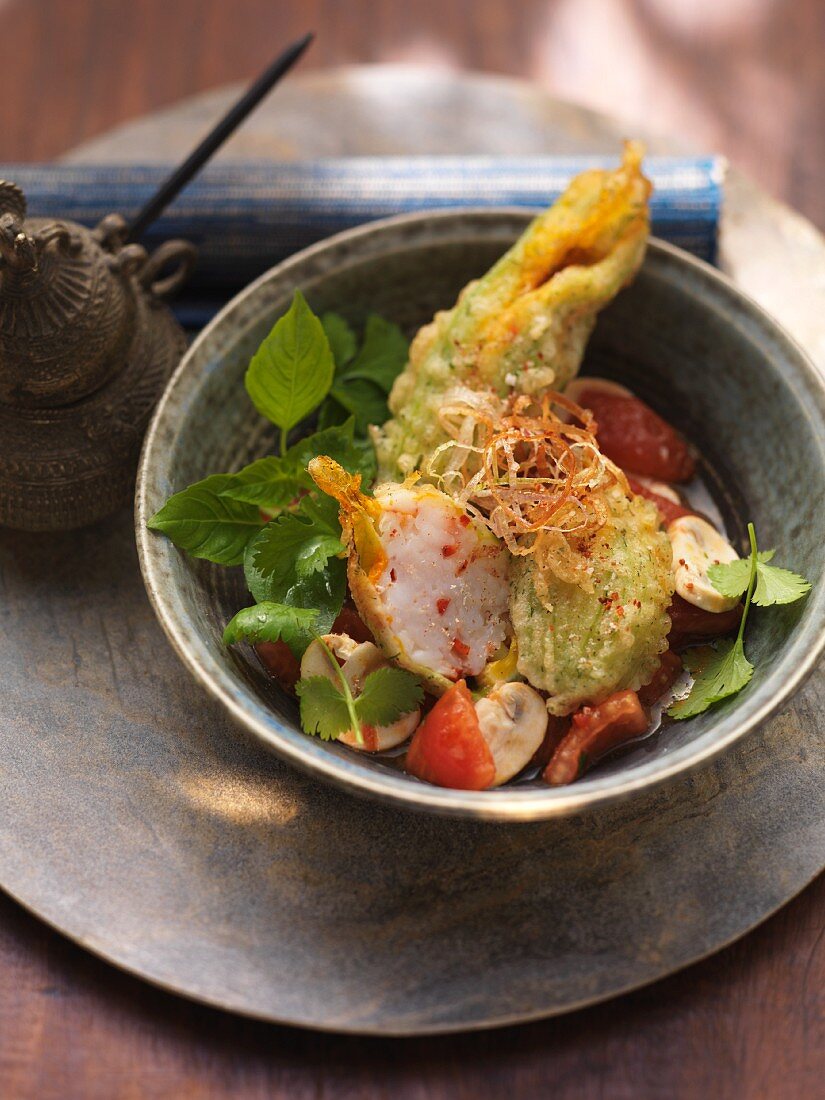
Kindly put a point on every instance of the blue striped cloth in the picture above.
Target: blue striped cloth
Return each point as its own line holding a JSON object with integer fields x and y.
{"x": 245, "y": 217}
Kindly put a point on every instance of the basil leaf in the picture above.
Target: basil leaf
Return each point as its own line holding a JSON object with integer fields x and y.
{"x": 272, "y": 622}
{"x": 362, "y": 399}
{"x": 291, "y": 372}
{"x": 331, "y": 413}
{"x": 341, "y": 339}
{"x": 270, "y": 483}
{"x": 383, "y": 354}
{"x": 273, "y": 482}
{"x": 206, "y": 524}
{"x": 324, "y": 590}
{"x": 361, "y": 387}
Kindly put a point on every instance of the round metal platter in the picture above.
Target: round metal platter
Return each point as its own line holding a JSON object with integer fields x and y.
{"x": 140, "y": 822}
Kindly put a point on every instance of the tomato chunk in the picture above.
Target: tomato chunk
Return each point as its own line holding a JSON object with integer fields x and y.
{"x": 670, "y": 666}
{"x": 668, "y": 509}
{"x": 448, "y": 748}
{"x": 555, "y": 733}
{"x": 593, "y": 732}
{"x": 637, "y": 438}
{"x": 280, "y": 662}
{"x": 691, "y": 624}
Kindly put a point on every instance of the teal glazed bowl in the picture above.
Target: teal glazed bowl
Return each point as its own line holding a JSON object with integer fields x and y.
{"x": 682, "y": 336}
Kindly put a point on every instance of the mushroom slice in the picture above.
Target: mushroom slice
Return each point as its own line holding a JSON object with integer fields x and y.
{"x": 513, "y": 721}
{"x": 660, "y": 488}
{"x": 315, "y": 661}
{"x": 357, "y": 661}
{"x": 696, "y": 547}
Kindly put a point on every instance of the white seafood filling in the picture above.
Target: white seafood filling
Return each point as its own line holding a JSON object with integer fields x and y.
{"x": 443, "y": 592}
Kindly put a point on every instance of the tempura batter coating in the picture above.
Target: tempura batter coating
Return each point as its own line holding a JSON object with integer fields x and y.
{"x": 586, "y": 634}
{"x": 523, "y": 326}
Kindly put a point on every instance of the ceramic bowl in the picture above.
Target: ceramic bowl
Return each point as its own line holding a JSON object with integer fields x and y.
{"x": 681, "y": 336}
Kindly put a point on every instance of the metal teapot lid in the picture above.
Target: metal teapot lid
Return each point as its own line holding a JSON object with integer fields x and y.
{"x": 67, "y": 305}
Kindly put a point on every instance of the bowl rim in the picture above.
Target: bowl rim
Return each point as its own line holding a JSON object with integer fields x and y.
{"x": 502, "y": 804}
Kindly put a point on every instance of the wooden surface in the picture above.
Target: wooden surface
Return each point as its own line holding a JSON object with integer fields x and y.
{"x": 745, "y": 78}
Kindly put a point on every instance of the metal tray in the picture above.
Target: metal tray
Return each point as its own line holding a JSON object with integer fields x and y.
{"x": 140, "y": 823}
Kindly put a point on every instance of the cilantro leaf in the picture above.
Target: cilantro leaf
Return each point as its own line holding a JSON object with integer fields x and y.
{"x": 274, "y": 482}
{"x": 775, "y": 585}
{"x": 329, "y": 711}
{"x": 731, "y": 578}
{"x": 386, "y": 695}
{"x": 720, "y": 672}
{"x": 272, "y": 622}
{"x": 324, "y": 709}
{"x": 294, "y": 560}
{"x": 206, "y": 524}
{"x": 341, "y": 339}
{"x": 723, "y": 670}
{"x": 383, "y": 354}
{"x": 291, "y": 372}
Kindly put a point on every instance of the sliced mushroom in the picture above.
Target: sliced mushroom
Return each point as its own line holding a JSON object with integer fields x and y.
{"x": 315, "y": 661}
{"x": 696, "y": 547}
{"x": 660, "y": 488}
{"x": 513, "y": 720}
{"x": 357, "y": 661}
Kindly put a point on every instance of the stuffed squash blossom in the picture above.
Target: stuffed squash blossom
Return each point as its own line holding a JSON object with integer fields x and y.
{"x": 587, "y": 635}
{"x": 590, "y": 568}
{"x": 523, "y": 327}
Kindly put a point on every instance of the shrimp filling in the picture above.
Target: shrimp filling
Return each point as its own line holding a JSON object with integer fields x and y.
{"x": 443, "y": 591}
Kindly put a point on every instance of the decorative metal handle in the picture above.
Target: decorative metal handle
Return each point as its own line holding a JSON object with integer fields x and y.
{"x": 55, "y": 232}
{"x": 12, "y": 200}
{"x": 17, "y": 248}
{"x": 180, "y": 256}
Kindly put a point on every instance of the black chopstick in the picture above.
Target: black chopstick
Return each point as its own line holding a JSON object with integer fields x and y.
{"x": 217, "y": 136}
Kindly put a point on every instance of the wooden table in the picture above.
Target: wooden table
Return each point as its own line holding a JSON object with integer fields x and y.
{"x": 745, "y": 78}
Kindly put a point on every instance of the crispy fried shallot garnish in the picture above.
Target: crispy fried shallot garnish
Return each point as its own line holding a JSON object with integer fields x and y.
{"x": 532, "y": 473}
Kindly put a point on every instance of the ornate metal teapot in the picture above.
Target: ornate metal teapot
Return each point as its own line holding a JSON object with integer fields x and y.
{"x": 86, "y": 346}
{"x": 86, "y": 343}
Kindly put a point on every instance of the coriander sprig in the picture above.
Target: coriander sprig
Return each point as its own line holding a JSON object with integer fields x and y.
{"x": 327, "y": 711}
{"x": 308, "y": 692}
{"x": 723, "y": 670}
